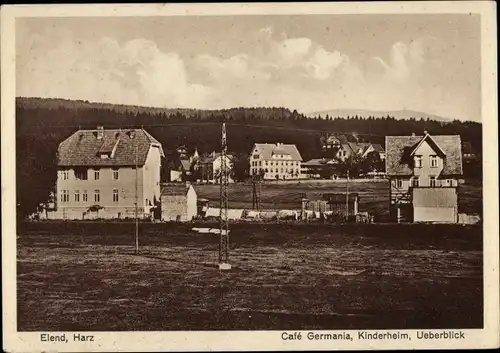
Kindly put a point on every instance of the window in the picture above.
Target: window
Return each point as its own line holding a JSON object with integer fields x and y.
{"x": 255, "y": 156}
{"x": 432, "y": 181}
{"x": 84, "y": 196}
{"x": 418, "y": 161}
{"x": 65, "y": 174}
{"x": 81, "y": 174}
{"x": 97, "y": 196}
{"x": 115, "y": 174}
{"x": 434, "y": 162}
{"x": 96, "y": 175}
{"x": 260, "y": 164}
{"x": 266, "y": 162}
{"x": 448, "y": 182}
{"x": 77, "y": 195}
{"x": 65, "y": 196}
{"x": 399, "y": 183}
{"x": 415, "y": 182}
{"x": 115, "y": 195}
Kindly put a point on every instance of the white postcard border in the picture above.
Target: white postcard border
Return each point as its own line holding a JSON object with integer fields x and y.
{"x": 250, "y": 340}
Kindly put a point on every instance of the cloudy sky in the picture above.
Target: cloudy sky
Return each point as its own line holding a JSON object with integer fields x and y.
{"x": 429, "y": 63}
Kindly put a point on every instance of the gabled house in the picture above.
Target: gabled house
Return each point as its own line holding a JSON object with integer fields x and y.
{"x": 182, "y": 164}
{"x": 105, "y": 173}
{"x": 367, "y": 148}
{"x": 209, "y": 167}
{"x": 320, "y": 168}
{"x": 275, "y": 161}
{"x": 424, "y": 173}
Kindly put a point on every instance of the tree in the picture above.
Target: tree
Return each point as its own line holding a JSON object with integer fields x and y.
{"x": 241, "y": 169}
{"x": 372, "y": 163}
{"x": 351, "y": 164}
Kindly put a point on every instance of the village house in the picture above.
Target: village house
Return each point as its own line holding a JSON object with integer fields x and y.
{"x": 182, "y": 164}
{"x": 320, "y": 167}
{"x": 209, "y": 167}
{"x": 340, "y": 149}
{"x": 178, "y": 203}
{"x": 275, "y": 161}
{"x": 424, "y": 173}
{"x": 105, "y": 173}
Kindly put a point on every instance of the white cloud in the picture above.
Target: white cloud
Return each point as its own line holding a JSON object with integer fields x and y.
{"x": 322, "y": 63}
{"x": 294, "y": 72}
{"x": 136, "y": 72}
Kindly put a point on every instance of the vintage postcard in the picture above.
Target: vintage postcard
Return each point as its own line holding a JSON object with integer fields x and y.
{"x": 280, "y": 176}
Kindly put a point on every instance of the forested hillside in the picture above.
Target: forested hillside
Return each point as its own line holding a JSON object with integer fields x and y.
{"x": 41, "y": 124}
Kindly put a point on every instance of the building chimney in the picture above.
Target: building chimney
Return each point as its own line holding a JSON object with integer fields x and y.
{"x": 131, "y": 134}
{"x": 413, "y": 134}
{"x": 425, "y": 132}
{"x": 100, "y": 132}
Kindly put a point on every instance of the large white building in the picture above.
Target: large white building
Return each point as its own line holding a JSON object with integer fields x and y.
{"x": 275, "y": 161}
{"x": 104, "y": 173}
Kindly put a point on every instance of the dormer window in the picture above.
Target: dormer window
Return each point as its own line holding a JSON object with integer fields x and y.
{"x": 434, "y": 162}
{"x": 418, "y": 161}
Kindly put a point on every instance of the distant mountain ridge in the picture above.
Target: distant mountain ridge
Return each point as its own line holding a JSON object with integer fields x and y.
{"x": 56, "y": 103}
{"x": 398, "y": 114}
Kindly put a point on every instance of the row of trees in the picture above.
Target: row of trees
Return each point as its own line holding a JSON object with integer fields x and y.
{"x": 41, "y": 124}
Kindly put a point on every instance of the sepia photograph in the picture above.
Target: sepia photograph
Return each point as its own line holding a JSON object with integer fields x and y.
{"x": 320, "y": 177}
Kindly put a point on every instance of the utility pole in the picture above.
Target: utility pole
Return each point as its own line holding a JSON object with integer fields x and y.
{"x": 224, "y": 228}
{"x": 347, "y": 196}
{"x": 256, "y": 190}
{"x": 136, "y": 199}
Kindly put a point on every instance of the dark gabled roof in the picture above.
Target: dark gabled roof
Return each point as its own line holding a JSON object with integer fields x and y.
{"x": 175, "y": 190}
{"x": 319, "y": 162}
{"x": 333, "y": 198}
{"x": 83, "y": 148}
{"x": 185, "y": 164}
{"x": 399, "y": 148}
{"x": 268, "y": 149}
{"x": 435, "y": 146}
{"x": 211, "y": 158}
{"x": 339, "y": 198}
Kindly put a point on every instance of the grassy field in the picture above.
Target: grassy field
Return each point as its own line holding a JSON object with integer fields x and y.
{"x": 86, "y": 276}
{"x": 374, "y": 196}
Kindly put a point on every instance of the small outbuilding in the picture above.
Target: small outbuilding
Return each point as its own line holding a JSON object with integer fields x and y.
{"x": 331, "y": 203}
{"x": 178, "y": 203}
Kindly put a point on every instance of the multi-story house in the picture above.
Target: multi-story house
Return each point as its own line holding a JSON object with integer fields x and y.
{"x": 181, "y": 164}
{"x": 105, "y": 173}
{"x": 275, "y": 161}
{"x": 424, "y": 173}
{"x": 209, "y": 167}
